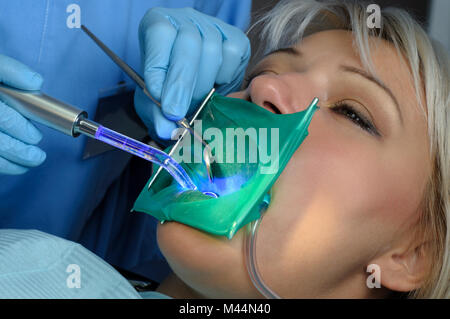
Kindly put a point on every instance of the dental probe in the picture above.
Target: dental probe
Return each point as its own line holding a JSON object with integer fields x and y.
{"x": 72, "y": 121}
{"x": 175, "y": 146}
{"x": 207, "y": 155}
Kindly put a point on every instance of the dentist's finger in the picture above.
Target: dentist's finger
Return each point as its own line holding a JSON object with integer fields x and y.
{"x": 14, "y": 124}
{"x": 236, "y": 54}
{"x": 157, "y": 35}
{"x": 152, "y": 117}
{"x": 20, "y": 153}
{"x": 8, "y": 168}
{"x": 18, "y": 75}
{"x": 211, "y": 61}
{"x": 182, "y": 74}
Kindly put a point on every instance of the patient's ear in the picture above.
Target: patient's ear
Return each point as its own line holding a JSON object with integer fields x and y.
{"x": 405, "y": 267}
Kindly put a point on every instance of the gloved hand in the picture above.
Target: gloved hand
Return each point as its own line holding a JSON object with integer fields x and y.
{"x": 185, "y": 54}
{"x": 16, "y": 132}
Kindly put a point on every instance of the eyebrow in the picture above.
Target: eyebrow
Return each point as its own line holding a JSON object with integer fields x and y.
{"x": 295, "y": 52}
{"x": 378, "y": 82}
{"x": 290, "y": 50}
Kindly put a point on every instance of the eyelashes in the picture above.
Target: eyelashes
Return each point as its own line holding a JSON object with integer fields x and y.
{"x": 342, "y": 108}
{"x": 345, "y": 109}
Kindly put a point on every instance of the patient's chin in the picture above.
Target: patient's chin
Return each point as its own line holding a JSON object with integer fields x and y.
{"x": 183, "y": 236}
{"x": 187, "y": 247}
{"x": 204, "y": 261}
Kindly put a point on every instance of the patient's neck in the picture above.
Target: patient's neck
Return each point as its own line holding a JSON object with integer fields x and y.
{"x": 176, "y": 288}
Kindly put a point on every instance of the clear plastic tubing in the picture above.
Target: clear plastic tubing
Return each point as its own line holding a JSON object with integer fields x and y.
{"x": 250, "y": 256}
{"x": 146, "y": 152}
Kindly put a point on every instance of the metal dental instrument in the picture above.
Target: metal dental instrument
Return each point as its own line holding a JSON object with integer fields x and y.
{"x": 207, "y": 163}
{"x": 207, "y": 155}
{"x": 72, "y": 121}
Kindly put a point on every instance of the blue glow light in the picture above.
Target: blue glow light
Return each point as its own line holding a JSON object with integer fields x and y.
{"x": 146, "y": 152}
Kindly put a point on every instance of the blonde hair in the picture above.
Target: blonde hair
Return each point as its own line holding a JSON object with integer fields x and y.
{"x": 289, "y": 21}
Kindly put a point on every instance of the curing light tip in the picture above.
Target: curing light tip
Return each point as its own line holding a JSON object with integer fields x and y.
{"x": 212, "y": 194}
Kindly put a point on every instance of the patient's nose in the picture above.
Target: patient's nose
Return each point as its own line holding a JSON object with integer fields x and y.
{"x": 286, "y": 93}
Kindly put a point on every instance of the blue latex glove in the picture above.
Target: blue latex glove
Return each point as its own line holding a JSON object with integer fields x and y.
{"x": 16, "y": 132}
{"x": 185, "y": 54}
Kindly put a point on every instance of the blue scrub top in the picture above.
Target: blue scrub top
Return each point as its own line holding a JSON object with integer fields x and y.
{"x": 86, "y": 201}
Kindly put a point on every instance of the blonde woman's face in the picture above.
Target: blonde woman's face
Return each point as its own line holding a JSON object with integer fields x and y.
{"x": 350, "y": 193}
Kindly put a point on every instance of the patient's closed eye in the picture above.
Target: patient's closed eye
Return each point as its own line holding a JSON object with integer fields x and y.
{"x": 356, "y": 117}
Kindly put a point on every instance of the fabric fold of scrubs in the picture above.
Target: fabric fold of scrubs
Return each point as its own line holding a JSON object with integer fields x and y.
{"x": 37, "y": 265}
